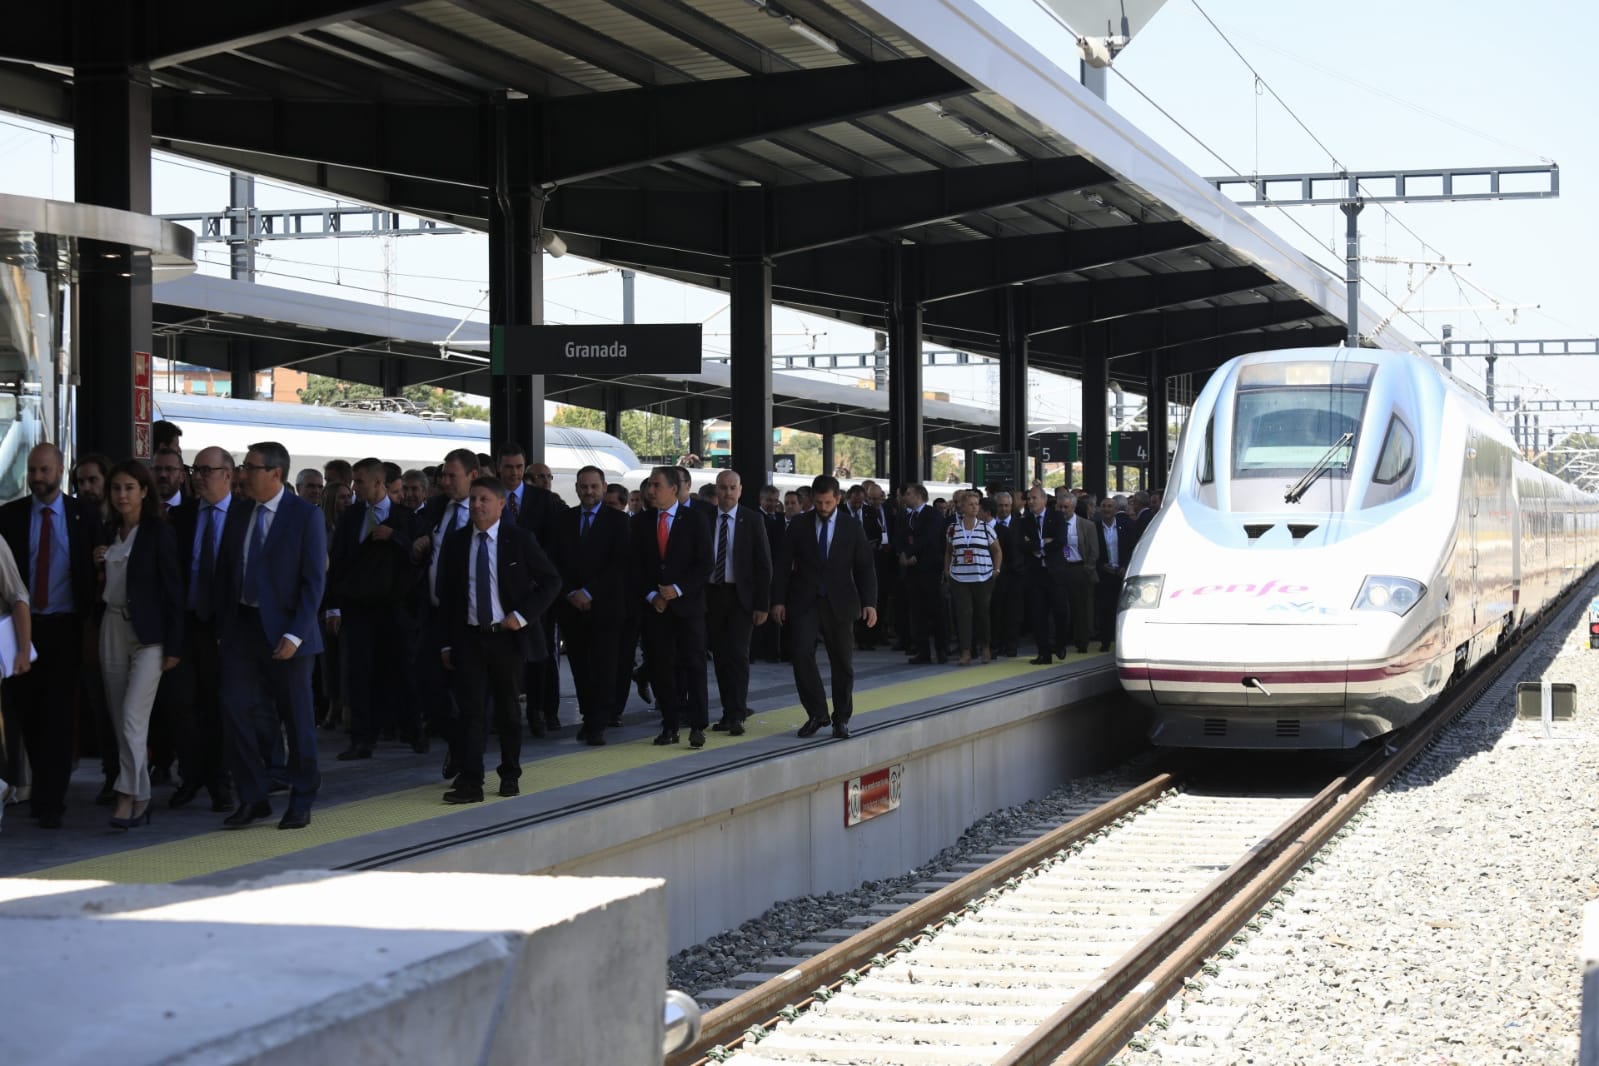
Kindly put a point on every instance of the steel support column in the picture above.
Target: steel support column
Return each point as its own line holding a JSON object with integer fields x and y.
{"x": 880, "y": 464}
{"x": 907, "y": 448}
{"x": 111, "y": 164}
{"x": 1156, "y": 389}
{"x": 613, "y": 410}
{"x": 696, "y": 430}
{"x": 1013, "y": 370}
{"x": 241, "y": 367}
{"x": 750, "y": 361}
{"x": 241, "y": 250}
{"x": 829, "y": 451}
{"x": 1095, "y": 441}
{"x": 516, "y": 277}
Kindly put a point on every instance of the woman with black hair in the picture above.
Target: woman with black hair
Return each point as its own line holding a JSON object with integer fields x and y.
{"x": 141, "y": 629}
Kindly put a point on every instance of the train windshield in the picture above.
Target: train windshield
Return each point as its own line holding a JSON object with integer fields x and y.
{"x": 1291, "y": 416}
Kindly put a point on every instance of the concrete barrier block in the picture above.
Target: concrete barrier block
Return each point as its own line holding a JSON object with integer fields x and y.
{"x": 318, "y": 967}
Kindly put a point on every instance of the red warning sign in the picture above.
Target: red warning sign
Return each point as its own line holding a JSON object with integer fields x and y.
{"x": 872, "y": 794}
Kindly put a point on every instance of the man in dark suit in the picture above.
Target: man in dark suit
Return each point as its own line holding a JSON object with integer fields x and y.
{"x": 495, "y": 583}
{"x": 879, "y": 521}
{"x": 539, "y": 511}
{"x": 1010, "y": 590}
{"x": 269, "y": 588}
{"x": 1043, "y": 528}
{"x": 921, "y": 553}
{"x": 671, "y": 560}
{"x": 591, "y": 548}
{"x": 198, "y": 526}
{"x": 824, "y": 581}
{"x": 765, "y": 643}
{"x": 369, "y": 575}
{"x": 441, "y": 515}
{"x": 737, "y": 597}
{"x": 1140, "y": 506}
{"x": 52, "y": 537}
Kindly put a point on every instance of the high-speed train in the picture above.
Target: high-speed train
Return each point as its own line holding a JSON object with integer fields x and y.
{"x": 313, "y": 435}
{"x": 1344, "y": 532}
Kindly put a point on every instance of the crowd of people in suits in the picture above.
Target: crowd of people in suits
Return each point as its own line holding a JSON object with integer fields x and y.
{"x": 212, "y": 615}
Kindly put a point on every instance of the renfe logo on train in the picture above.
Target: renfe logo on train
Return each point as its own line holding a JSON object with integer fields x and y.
{"x": 1241, "y": 588}
{"x": 869, "y": 795}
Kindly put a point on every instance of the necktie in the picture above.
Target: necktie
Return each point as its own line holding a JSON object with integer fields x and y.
{"x": 823, "y": 540}
{"x": 588, "y": 521}
{"x": 371, "y": 522}
{"x": 485, "y": 611}
{"x": 510, "y": 505}
{"x": 662, "y": 531}
{"x": 252, "y": 569}
{"x": 205, "y": 569}
{"x": 41, "y": 568}
{"x": 821, "y": 587}
{"x": 721, "y": 548}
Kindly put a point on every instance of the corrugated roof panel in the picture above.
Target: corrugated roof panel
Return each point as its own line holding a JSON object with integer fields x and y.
{"x": 768, "y": 31}
{"x": 802, "y": 166}
{"x": 869, "y": 146}
{"x": 877, "y": 28}
{"x": 635, "y": 33}
{"x": 492, "y": 35}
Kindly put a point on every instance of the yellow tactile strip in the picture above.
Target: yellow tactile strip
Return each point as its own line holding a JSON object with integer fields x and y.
{"x": 211, "y": 853}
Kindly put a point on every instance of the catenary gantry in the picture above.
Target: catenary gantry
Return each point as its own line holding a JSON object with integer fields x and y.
{"x": 911, "y": 165}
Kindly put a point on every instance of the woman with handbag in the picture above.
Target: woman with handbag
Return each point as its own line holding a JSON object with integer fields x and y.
{"x": 141, "y": 629}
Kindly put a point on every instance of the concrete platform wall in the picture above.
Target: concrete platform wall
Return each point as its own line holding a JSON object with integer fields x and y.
{"x": 730, "y": 846}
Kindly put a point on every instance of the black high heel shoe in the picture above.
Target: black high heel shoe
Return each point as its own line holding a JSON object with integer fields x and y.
{"x": 137, "y": 818}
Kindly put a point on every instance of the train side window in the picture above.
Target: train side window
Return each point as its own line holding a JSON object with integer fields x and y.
{"x": 1207, "y": 461}
{"x": 1398, "y": 452}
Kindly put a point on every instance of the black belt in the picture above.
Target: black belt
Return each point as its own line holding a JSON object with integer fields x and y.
{"x": 492, "y": 627}
{"x": 1074, "y": 562}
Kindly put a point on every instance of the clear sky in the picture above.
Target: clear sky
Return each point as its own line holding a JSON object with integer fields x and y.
{"x": 1419, "y": 83}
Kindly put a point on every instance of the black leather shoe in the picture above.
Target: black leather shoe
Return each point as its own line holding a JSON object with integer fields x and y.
{"x": 811, "y": 727}
{"x": 353, "y": 752}
{"x": 247, "y": 813}
{"x": 183, "y": 795}
{"x": 50, "y": 821}
{"x": 1042, "y": 660}
{"x": 840, "y": 731}
{"x": 668, "y": 736}
{"x": 595, "y": 738}
{"x": 223, "y": 802}
{"x": 450, "y": 769}
{"x": 276, "y": 787}
{"x": 1105, "y": 646}
{"x": 719, "y": 727}
{"x": 735, "y": 729}
{"x": 1082, "y": 649}
{"x": 615, "y": 722}
{"x": 552, "y": 722}
{"x": 464, "y": 794}
{"x": 919, "y": 660}
{"x": 293, "y": 819}
{"x": 535, "y": 725}
{"x": 696, "y": 738}
{"x": 509, "y": 787}
{"x": 420, "y": 744}
{"x": 582, "y": 733}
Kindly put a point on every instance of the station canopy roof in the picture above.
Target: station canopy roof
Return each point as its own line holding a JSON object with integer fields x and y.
{"x": 674, "y": 136}
{"x": 203, "y": 320}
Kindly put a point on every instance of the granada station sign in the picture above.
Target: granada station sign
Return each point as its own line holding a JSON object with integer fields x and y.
{"x": 596, "y": 351}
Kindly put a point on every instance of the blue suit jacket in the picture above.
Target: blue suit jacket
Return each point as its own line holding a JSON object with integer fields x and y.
{"x": 294, "y": 571}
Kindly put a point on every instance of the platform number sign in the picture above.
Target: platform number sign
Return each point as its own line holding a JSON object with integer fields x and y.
{"x": 1129, "y": 446}
{"x": 1053, "y": 447}
{"x": 873, "y": 794}
{"x": 143, "y": 405}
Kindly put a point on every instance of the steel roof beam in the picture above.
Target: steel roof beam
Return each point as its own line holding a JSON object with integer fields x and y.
{"x": 1058, "y": 307}
{"x": 1207, "y": 355}
{"x": 1170, "y": 329}
{"x": 181, "y": 31}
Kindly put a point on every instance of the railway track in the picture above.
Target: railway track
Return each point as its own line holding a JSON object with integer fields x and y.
{"x": 1060, "y": 951}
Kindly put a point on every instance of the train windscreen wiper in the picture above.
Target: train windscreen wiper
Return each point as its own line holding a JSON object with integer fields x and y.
{"x": 1317, "y": 469}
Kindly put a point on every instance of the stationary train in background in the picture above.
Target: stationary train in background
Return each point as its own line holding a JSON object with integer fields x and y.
{"x": 1344, "y": 532}
{"x": 313, "y": 435}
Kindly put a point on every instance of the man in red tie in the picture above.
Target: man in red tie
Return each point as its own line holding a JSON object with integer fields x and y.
{"x": 672, "y": 560}
{"x": 50, "y": 537}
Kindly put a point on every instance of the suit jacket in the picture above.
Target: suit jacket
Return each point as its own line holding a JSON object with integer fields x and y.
{"x": 752, "y": 557}
{"x": 155, "y": 587}
{"x": 874, "y": 526}
{"x": 1125, "y": 540}
{"x": 776, "y": 528}
{"x": 424, "y": 522}
{"x": 1087, "y": 543}
{"x": 1054, "y": 538}
{"x": 922, "y": 535}
{"x": 293, "y": 571}
{"x": 598, "y": 562}
{"x": 15, "y": 518}
{"x": 687, "y": 563}
{"x": 370, "y": 573}
{"x": 528, "y": 583}
{"x": 1013, "y": 550}
{"x": 849, "y": 573}
{"x": 539, "y": 512}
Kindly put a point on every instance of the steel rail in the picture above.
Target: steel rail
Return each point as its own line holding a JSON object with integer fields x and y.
{"x": 760, "y": 1006}
{"x": 1095, "y": 1024}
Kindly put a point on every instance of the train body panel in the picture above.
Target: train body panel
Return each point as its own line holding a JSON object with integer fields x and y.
{"x": 313, "y": 435}
{"x": 1419, "y": 543}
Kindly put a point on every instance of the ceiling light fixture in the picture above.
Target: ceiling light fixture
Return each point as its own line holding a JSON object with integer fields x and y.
{"x": 1003, "y": 146}
{"x": 816, "y": 37}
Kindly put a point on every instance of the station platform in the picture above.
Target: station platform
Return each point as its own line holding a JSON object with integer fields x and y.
{"x": 690, "y": 815}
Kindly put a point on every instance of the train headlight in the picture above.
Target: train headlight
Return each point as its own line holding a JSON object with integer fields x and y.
{"x": 1395, "y": 594}
{"x": 1142, "y": 591}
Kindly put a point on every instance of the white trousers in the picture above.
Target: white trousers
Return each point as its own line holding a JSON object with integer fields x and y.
{"x": 132, "y": 673}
